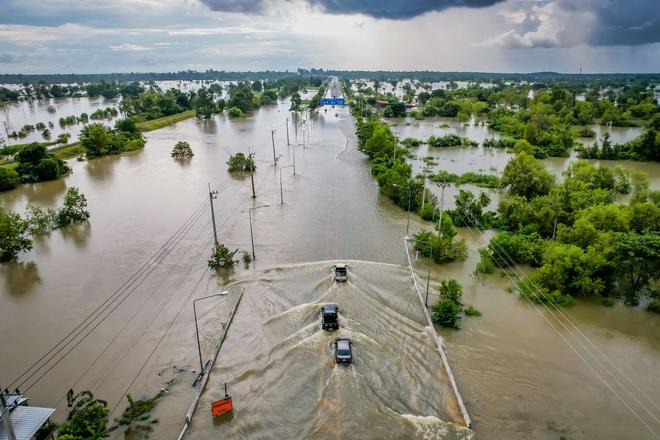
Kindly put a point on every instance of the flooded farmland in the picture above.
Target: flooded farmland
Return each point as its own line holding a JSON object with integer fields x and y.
{"x": 518, "y": 378}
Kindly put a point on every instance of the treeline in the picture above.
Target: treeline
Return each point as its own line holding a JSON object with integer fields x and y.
{"x": 395, "y": 180}
{"x": 183, "y": 75}
{"x": 582, "y": 243}
{"x": 645, "y": 147}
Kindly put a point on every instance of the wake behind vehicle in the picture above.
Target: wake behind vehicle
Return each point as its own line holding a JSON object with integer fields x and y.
{"x": 343, "y": 351}
{"x": 341, "y": 273}
{"x": 330, "y": 317}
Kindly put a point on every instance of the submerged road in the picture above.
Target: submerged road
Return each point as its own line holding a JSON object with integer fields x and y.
{"x": 280, "y": 370}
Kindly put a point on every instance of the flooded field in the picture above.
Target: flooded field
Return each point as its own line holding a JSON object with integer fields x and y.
{"x": 518, "y": 378}
{"x": 17, "y": 114}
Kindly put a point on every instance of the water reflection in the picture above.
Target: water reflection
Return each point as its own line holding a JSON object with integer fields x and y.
{"x": 77, "y": 233}
{"x": 20, "y": 278}
{"x": 102, "y": 168}
{"x": 43, "y": 194}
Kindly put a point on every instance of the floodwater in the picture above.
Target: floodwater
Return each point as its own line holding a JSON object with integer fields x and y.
{"x": 518, "y": 377}
{"x": 17, "y": 114}
{"x": 280, "y": 366}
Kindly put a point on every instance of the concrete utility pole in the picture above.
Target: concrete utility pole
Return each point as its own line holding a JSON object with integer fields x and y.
{"x": 272, "y": 137}
{"x": 442, "y": 185}
{"x": 251, "y": 157}
{"x": 287, "y": 132}
{"x": 213, "y": 195}
{"x": 5, "y": 414}
{"x": 281, "y": 190}
{"x": 254, "y": 257}
{"x": 424, "y": 190}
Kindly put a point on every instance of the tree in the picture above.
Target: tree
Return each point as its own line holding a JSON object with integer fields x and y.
{"x": 204, "y": 105}
{"x": 87, "y": 420}
{"x": 296, "y": 102}
{"x": 241, "y": 162}
{"x": 182, "y": 150}
{"x": 136, "y": 418}
{"x": 74, "y": 208}
{"x": 222, "y": 257}
{"x": 525, "y": 176}
{"x": 8, "y": 179}
{"x": 13, "y": 235}
{"x": 637, "y": 263}
{"x": 96, "y": 140}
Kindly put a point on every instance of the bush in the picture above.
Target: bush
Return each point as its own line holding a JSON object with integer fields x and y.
{"x": 471, "y": 311}
{"x": 8, "y": 179}
{"x": 240, "y": 162}
{"x": 222, "y": 257}
{"x": 446, "y": 313}
{"x": 486, "y": 264}
{"x": 654, "y": 306}
{"x": 451, "y": 289}
{"x": 450, "y": 140}
{"x": 236, "y": 112}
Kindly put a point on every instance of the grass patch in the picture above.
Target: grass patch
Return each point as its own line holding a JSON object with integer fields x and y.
{"x": 69, "y": 151}
{"x": 155, "y": 124}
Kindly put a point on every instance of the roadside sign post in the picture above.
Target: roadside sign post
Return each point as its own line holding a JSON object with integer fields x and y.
{"x": 222, "y": 406}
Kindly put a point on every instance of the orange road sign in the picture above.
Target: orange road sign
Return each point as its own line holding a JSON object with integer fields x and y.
{"x": 222, "y": 406}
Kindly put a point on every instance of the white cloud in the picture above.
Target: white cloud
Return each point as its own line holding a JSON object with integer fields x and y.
{"x": 130, "y": 47}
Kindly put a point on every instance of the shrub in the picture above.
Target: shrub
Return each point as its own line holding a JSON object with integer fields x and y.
{"x": 74, "y": 208}
{"x": 446, "y": 313}
{"x": 222, "y": 257}
{"x": 236, "y": 112}
{"x": 471, "y": 311}
{"x": 8, "y": 179}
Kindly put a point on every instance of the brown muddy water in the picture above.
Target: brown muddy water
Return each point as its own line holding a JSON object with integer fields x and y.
{"x": 519, "y": 379}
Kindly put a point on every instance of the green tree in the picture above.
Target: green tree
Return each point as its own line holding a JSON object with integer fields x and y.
{"x": 182, "y": 150}
{"x": 96, "y": 140}
{"x": 636, "y": 262}
{"x": 239, "y": 162}
{"x": 204, "y": 105}
{"x": 527, "y": 177}
{"x": 13, "y": 235}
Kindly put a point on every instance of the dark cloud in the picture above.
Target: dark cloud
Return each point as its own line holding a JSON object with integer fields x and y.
{"x": 625, "y": 22}
{"x": 391, "y": 9}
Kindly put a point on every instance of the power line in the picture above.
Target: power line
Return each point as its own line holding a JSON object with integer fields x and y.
{"x": 105, "y": 304}
{"x": 476, "y": 222}
{"x": 98, "y": 323}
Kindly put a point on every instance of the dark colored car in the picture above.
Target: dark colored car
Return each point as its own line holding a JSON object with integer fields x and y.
{"x": 341, "y": 273}
{"x": 343, "y": 351}
{"x": 330, "y": 317}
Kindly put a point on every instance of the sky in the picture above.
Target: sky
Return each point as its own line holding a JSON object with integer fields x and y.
{"x": 97, "y": 36}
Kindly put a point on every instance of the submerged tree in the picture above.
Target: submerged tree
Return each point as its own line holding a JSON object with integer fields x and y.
{"x": 241, "y": 162}
{"x": 87, "y": 420}
{"x": 182, "y": 150}
{"x": 222, "y": 257}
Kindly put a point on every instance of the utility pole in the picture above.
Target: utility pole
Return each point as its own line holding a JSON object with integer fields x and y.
{"x": 428, "y": 279}
{"x": 294, "y": 160}
{"x": 287, "y": 132}
{"x": 213, "y": 195}
{"x": 424, "y": 190}
{"x": 251, "y": 157}
{"x": 281, "y": 190}
{"x": 272, "y": 137}
{"x": 442, "y": 185}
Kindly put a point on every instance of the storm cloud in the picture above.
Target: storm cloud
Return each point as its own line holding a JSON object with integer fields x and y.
{"x": 390, "y": 9}
{"x": 568, "y": 23}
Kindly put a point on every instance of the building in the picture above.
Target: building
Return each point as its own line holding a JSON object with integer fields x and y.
{"x": 18, "y": 420}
